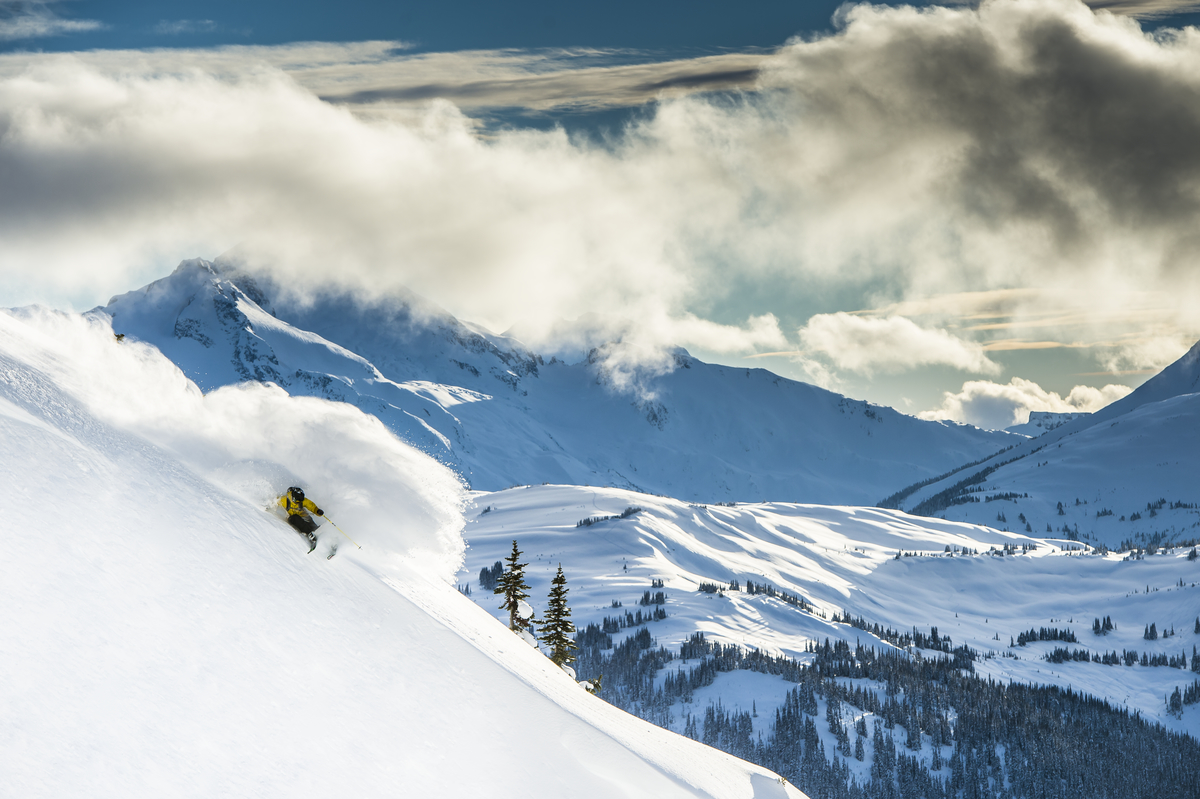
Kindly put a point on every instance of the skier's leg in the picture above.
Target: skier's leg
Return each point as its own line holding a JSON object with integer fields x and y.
{"x": 302, "y": 524}
{"x": 305, "y": 527}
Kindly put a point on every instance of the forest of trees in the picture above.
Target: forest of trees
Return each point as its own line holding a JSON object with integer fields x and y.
{"x": 937, "y": 731}
{"x": 990, "y": 739}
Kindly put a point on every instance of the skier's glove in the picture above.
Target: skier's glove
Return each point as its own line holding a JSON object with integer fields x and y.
{"x": 319, "y": 512}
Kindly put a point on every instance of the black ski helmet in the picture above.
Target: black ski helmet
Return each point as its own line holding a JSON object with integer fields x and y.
{"x": 297, "y": 493}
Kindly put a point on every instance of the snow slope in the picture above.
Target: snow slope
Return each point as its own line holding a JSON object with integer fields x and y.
{"x": 502, "y": 415}
{"x": 166, "y": 635}
{"x": 843, "y": 558}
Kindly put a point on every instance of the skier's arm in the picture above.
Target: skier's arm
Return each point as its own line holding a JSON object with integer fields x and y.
{"x": 308, "y": 503}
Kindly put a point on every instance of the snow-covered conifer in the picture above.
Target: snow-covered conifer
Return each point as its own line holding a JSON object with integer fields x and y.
{"x": 511, "y": 584}
{"x": 557, "y": 629}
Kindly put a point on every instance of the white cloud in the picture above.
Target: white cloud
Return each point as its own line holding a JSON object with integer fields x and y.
{"x": 31, "y": 19}
{"x": 871, "y": 164}
{"x": 527, "y": 226}
{"x": 890, "y": 344}
{"x": 995, "y": 406}
{"x": 1148, "y": 353}
{"x": 177, "y": 27}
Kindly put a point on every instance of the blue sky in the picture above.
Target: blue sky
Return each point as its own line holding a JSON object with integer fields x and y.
{"x": 666, "y": 26}
{"x": 673, "y": 25}
{"x": 967, "y": 212}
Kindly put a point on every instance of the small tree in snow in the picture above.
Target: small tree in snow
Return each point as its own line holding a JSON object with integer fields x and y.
{"x": 511, "y": 584}
{"x": 557, "y": 629}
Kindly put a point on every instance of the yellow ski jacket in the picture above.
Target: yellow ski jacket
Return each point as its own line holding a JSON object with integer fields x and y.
{"x": 297, "y": 508}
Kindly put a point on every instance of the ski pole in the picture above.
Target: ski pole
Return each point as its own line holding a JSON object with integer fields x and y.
{"x": 343, "y": 532}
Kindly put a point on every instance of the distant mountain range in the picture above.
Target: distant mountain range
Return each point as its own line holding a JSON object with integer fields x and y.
{"x": 1124, "y": 474}
{"x": 501, "y": 415}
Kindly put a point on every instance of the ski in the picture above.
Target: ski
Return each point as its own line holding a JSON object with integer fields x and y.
{"x": 332, "y": 552}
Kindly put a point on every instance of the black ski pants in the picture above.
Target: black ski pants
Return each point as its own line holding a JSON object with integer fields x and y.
{"x": 303, "y": 524}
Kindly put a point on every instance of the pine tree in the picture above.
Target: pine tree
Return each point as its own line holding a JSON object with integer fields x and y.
{"x": 512, "y": 585}
{"x": 557, "y": 630}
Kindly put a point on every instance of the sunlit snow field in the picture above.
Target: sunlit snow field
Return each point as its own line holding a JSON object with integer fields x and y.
{"x": 843, "y": 558}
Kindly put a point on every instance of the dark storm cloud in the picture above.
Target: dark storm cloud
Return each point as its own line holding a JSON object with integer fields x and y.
{"x": 1045, "y": 115}
{"x": 705, "y": 80}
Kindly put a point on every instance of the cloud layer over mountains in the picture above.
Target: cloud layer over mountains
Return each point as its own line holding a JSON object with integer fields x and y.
{"x": 1023, "y": 144}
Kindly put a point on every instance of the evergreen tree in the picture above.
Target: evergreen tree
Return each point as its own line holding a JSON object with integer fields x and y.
{"x": 557, "y": 629}
{"x": 511, "y": 584}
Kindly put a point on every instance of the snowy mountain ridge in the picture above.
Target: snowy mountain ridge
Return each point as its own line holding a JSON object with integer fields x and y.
{"x": 501, "y": 415}
{"x": 1120, "y": 475}
{"x": 1129, "y": 482}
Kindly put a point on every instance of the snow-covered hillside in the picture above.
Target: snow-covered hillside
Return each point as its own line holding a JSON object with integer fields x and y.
{"x": 164, "y": 634}
{"x": 502, "y": 415}
{"x": 1122, "y": 475}
{"x": 1130, "y": 481}
{"x": 844, "y": 559}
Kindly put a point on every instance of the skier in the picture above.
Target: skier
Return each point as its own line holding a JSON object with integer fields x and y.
{"x": 297, "y": 508}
